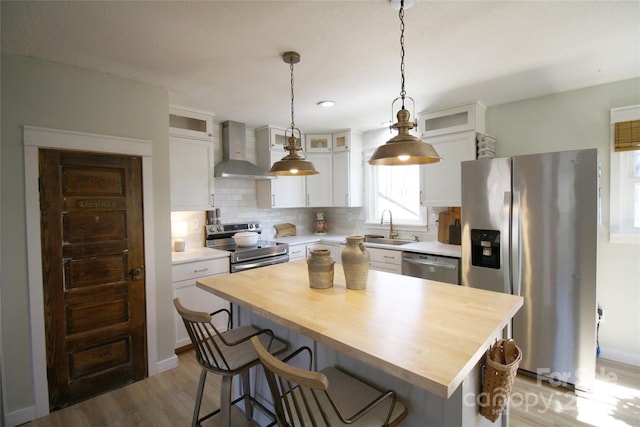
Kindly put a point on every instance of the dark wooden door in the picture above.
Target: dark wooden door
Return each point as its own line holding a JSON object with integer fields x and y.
{"x": 93, "y": 273}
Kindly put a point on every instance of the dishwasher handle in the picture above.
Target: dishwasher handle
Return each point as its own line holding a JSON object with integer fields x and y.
{"x": 419, "y": 261}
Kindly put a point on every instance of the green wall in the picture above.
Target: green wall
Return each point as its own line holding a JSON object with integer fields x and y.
{"x": 45, "y": 94}
{"x": 574, "y": 120}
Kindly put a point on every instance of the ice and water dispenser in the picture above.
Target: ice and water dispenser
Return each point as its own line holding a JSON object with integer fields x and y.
{"x": 485, "y": 248}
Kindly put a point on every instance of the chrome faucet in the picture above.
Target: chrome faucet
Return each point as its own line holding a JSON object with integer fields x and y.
{"x": 392, "y": 233}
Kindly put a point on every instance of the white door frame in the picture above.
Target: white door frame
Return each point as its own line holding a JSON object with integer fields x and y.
{"x": 34, "y": 139}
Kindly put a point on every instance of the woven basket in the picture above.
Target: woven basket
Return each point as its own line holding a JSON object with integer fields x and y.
{"x": 497, "y": 383}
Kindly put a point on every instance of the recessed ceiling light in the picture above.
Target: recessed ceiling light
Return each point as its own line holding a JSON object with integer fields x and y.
{"x": 326, "y": 104}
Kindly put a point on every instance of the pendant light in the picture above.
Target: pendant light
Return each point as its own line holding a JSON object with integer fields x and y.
{"x": 404, "y": 148}
{"x": 293, "y": 164}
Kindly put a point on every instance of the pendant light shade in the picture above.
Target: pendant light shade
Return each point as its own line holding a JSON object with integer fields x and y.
{"x": 293, "y": 164}
{"x": 404, "y": 148}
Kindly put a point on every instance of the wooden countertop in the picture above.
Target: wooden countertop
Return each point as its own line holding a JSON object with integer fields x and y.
{"x": 427, "y": 333}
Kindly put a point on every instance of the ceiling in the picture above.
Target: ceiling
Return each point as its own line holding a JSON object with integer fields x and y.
{"x": 224, "y": 57}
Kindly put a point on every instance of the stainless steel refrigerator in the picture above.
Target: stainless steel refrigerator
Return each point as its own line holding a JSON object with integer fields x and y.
{"x": 529, "y": 227}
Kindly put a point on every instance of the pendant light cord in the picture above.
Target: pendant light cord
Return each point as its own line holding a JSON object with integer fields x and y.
{"x": 403, "y": 93}
{"x": 293, "y": 125}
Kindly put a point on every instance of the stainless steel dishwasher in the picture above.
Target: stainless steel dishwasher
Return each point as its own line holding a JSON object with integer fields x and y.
{"x": 432, "y": 267}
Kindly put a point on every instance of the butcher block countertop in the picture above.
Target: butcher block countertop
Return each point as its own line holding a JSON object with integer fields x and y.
{"x": 427, "y": 333}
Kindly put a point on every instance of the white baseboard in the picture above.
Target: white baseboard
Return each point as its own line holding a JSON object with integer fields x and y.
{"x": 620, "y": 356}
{"x": 166, "y": 364}
{"x": 21, "y": 416}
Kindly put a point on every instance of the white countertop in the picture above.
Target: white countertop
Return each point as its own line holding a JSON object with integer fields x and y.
{"x": 310, "y": 238}
{"x": 197, "y": 254}
{"x": 433, "y": 248}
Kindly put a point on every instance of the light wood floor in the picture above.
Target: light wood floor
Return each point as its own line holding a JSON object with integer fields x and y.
{"x": 167, "y": 400}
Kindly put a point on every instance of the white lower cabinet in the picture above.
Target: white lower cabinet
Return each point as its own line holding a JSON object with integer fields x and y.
{"x": 334, "y": 248}
{"x": 302, "y": 251}
{"x": 385, "y": 260}
{"x": 184, "y": 278}
{"x": 297, "y": 252}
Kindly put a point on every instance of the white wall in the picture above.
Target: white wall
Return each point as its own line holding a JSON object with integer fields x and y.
{"x": 574, "y": 120}
{"x": 45, "y": 94}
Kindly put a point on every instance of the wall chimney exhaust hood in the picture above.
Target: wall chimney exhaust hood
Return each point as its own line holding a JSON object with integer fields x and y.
{"x": 234, "y": 163}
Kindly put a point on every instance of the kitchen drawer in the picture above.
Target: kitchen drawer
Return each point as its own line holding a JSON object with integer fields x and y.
{"x": 297, "y": 252}
{"x": 385, "y": 256}
{"x": 196, "y": 269}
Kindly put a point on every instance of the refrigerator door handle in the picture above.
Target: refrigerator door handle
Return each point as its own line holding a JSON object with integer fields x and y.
{"x": 516, "y": 262}
{"x": 505, "y": 244}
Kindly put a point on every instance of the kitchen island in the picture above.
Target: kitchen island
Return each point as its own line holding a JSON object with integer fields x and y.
{"x": 423, "y": 338}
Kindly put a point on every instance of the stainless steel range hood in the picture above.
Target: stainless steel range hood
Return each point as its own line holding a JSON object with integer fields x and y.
{"x": 234, "y": 163}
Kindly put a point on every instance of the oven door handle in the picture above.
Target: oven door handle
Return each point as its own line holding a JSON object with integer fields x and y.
{"x": 235, "y": 268}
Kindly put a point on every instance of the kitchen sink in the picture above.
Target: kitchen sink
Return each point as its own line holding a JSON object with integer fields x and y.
{"x": 385, "y": 241}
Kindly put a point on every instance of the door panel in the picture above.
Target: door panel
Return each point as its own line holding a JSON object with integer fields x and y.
{"x": 91, "y": 219}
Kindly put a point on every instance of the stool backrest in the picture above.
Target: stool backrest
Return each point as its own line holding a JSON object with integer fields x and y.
{"x": 304, "y": 398}
{"x": 205, "y": 337}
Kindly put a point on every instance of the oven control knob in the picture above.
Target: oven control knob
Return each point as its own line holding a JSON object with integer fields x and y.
{"x": 250, "y": 226}
{"x": 220, "y": 228}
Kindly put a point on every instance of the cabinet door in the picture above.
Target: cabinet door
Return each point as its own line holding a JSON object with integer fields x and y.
{"x": 283, "y": 191}
{"x": 318, "y": 143}
{"x": 190, "y": 124}
{"x": 319, "y": 187}
{"x": 297, "y": 252}
{"x": 287, "y": 191}
{"x": 191, "y": 174}
{"x": 341, "y": 141}
{"x": 278, "y": 138}
{"x": 196, "y": 299}
{"x": 451, "y": 120}
{"x": 341, "y": 179}
{"x": 441, "y": 183}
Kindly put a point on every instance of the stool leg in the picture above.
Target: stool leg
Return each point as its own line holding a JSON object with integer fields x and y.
{"x": 246, "y": 390}
{"x": 225, "y": 401}
{"x": 196, "y": 409}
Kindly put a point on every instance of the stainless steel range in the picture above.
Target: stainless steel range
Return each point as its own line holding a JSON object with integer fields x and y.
{"x": 220, "y": 236}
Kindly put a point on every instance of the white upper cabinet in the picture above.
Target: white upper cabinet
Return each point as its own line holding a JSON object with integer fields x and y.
{"x": 348, "y": 170}
{"x": 339, "y": 183}
{"x": 441, "y": 185}
{"x": 190, "y": 124}
{"x": 452, "y": 132}
{"x": 191, "y": 174}
{"x": 283, "y": 191}
{"x": 342, "y": 141}
{"x": 320, "y": 143}
{"x": 459, "y": 118}
{"x": 319, "y": 188}
{"x": 191, "y": 160}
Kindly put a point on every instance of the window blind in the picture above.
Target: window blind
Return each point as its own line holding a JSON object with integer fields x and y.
{"x": 627, "y": 135}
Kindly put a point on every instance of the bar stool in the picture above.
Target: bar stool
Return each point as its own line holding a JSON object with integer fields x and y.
{"x": 330, "y": 397}
{"x": 227, "y": 354}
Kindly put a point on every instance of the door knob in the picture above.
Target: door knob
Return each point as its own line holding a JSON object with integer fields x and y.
{"x": 137, "y": 273}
